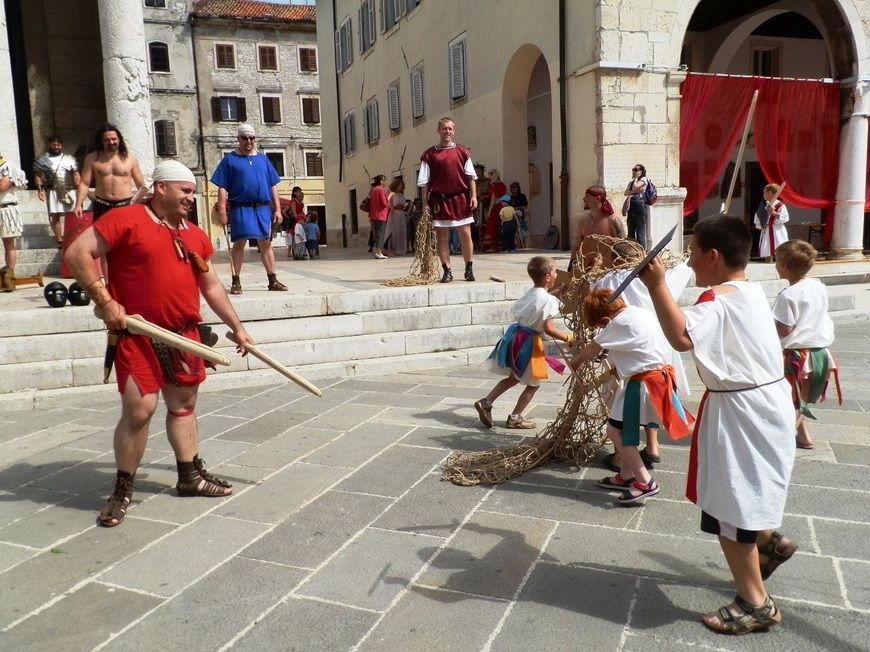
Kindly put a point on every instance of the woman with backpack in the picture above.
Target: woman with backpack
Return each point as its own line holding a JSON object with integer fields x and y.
{"x": 638, "y": 210}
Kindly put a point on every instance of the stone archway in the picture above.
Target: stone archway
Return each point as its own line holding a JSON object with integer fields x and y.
{"x": 527, "y": 134}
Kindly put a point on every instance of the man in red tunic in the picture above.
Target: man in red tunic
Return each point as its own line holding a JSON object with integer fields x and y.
{"x": 158, "y": 268}
{"x": 448, "y": 179}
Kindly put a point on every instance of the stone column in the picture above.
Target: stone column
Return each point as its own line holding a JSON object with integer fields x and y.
{"x": 125, "y": 75}
{"x": 847, "y": 241}
{"x": 8, "y": 118}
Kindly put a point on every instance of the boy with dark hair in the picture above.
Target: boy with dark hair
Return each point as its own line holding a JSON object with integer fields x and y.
{"x": 520, "y": 353}
{"x": 742, "y": 447}
{"x": 806, "y": 331}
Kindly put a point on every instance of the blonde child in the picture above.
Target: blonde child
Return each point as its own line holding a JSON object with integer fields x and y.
{"x": 770, "y": 219}
{"x": 806, "y": 331}
{"x": 639, "y": 353}
{"x": 743, "y": 445}
{"x": 520, "y": 353}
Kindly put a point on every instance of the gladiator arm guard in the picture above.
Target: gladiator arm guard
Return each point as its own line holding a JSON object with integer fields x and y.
{"x": 98, "y": 293}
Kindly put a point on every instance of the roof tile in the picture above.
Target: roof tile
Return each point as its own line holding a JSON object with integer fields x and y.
{"x": 255, "y": 10}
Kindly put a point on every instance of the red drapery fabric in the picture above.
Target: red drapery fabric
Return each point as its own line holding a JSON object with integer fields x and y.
{"x": 796, "y": 127}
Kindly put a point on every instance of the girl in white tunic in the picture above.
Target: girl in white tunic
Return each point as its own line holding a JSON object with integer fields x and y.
{"x": 770, "y": 219}
{"x": 743, "y": 447}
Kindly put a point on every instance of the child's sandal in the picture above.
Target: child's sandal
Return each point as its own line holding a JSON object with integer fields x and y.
{"x": 615, "y": 483}
{"x": 752, "y": 619}
{"x": 647, "y": 490}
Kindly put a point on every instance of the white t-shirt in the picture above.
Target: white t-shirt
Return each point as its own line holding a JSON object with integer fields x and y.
{"x": 534, "y": 308}
{"x": 635, "y": 342}
{"x": 804, "y": 305}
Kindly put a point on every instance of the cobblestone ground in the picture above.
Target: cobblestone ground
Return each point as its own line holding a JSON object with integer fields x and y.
{"x": 341, "y": 537}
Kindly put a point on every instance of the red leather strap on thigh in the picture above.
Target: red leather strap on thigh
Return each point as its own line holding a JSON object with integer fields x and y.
{"x": 181, "y": 413}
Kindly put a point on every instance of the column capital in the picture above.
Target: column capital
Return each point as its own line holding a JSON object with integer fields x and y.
{"x": 858, "y": 103}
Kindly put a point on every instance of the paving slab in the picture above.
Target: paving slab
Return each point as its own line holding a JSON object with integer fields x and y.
{"x": 827, "y": 502}
{"x": 207, "y": 542}
{"x": 81, "y": 620}
{"x": 372, "y": 569}
{"x": 851, "y": 453}
{"x": 355, "y": 447}
{"x": 262, "y": 428}
{"x": 490, "y": 555}
{"x": 310, "y": 625}
{"x": 285, "y": 492}
{"x": 583, "y": 608}
{"x": 287, "y": 447}
{"x": 48, "y": 575}
{"x": 426, "y": 619}
{"x": 392, "y": 472}
{"x": 212, "y": 610}
{"x": 314, "y": 533}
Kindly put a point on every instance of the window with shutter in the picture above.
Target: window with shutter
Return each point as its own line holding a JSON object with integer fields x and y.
{"x": 158, "y": 57}
{"x": 418, "y": 109}
{"x": 216, "y": 109}
{"x": 348, "y": 135}
{"x": 393, "y": 107}
{"x": 158, "y": 4}
{"x": 388, "y": 15}
{"x": 241, "y": 106}
{"x": 456, "y": 56}
{"x": 307, "y": 60}
{"x": 313, "y": 164}
{"x": 372, "y": 121}
{"x": 346, "y": 44}
{"x": 164, "y": 138}
{"x": 271, "y": 109}
{"x": 310, "y": 110}
{"x": 267, "y": 56}
{"x": 225, "y": 56}
{"x": 277, "y": 161}
{"x": 410, "y": 5}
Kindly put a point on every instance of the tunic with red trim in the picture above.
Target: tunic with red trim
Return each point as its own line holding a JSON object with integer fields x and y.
{"x": 449, "y": 187}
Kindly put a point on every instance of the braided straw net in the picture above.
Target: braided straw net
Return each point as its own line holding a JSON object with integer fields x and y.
{"x": 578, "y": 429}
{"x": 425, "y": 266}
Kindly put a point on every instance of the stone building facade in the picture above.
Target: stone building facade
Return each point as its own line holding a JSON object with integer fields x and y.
{"x": 562, "y": 95}
{"x": 258, "y": 63}
{"x": 66, "y": 67}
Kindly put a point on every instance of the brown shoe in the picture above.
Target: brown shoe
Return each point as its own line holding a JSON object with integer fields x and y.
{"x": 236, "y": 288}
{"x": 203, "y": 483}
{"x": 484, "y": 411}
{"x": 277, "y": 286}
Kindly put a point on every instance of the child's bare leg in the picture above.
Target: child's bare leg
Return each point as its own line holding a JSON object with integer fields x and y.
{"x": 742, "y": 559}
{"x": 615, "y": 436}
{"x": 500, "y": 388}
{"x": 803, "y": 433}
{"x": 524, "y": 399}
{"x": 633, "y": 465}
{"x": 652, "y": 441}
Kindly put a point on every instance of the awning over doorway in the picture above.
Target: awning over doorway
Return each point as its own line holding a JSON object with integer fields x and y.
{"x": 796, "y": 128}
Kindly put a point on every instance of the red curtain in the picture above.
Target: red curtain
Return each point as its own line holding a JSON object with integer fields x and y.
{"x": 797, "y": 139}
{"x": 796, "y": 127}
{"x": 712, "y": 114}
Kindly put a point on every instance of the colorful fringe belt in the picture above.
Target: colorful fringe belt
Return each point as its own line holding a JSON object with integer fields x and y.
{"x": 661, "y": 387}
{"x": 521, "y": 347}
{"x": 817, "y": 381}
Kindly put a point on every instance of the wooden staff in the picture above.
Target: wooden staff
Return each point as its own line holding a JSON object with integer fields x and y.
{"x": 230, "y": 251}
{"x": 739, "y": 161}
{"x": 277, "y": 366}
{"x": 139, "y": 326}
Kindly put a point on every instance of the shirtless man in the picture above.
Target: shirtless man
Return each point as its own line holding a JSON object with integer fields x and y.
{"x": 600, "y": 220}
{"x": 111, "y": 168}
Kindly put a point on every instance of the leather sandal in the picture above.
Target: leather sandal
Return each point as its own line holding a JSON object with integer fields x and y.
{"x": 236, "y": 288}
{"x": 116, "y": 508}
{"x": 751, "y": 620}
{"x": 277, "y": 286}
{"x": 775, "y": 555}
{"x": 203, "y": 483}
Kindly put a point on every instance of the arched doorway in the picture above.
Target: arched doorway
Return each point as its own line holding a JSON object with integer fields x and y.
{"x": 527, "y": 135}
{"x": 814, "y": 41}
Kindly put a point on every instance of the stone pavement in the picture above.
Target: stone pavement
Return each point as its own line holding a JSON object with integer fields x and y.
{"x": 341, "y": 536}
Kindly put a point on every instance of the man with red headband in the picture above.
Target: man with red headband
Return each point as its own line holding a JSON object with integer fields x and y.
{"x": 600, "y": 220}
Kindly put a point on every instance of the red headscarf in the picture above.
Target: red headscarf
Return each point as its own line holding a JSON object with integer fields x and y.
{"x": 606, "y": 208}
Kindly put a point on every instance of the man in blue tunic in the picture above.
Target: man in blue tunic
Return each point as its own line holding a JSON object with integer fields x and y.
{"x": 248, "y": 192}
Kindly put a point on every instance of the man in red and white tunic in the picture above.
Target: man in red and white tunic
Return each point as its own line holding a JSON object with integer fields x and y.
{"x": 447, "y": 177}
{"x": 770, "y": 219}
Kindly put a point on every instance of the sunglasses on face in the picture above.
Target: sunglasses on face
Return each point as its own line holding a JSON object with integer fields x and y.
{"x": 247, "y": 138}
{"x": 635, "y": 169}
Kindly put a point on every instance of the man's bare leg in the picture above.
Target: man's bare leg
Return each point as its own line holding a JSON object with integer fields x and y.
{"x": 442, "y": 237}
{"x": 238, "y": 255}
{"x": 267, "y": 255}
{"x": 56, "y": 226}
{"x": 10, "y": 252}
{"x": 183, "y": 435}
{"x": 466, "y": 242}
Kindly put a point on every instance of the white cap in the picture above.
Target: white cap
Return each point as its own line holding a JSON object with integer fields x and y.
{"x": 246, "y": 130}
{"x": 172, "y": 171}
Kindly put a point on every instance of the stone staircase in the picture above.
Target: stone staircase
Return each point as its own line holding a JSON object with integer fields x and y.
{"x": 36, "y": 248}
{"x": 47, "y": 355}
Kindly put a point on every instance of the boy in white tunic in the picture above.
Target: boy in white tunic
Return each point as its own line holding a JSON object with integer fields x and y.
{"x": 806, "y": 330}
{"x": 520, "y": 353}
{"x": 639, "y": 353}
{"x": 770, "y": 219}
{"x": 742, "y": 448}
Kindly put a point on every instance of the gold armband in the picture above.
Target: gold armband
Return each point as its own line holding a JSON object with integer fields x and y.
{"x": 98, "y": 293}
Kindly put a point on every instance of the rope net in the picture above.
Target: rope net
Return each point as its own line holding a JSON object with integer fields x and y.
{"x": 425, "y": 266}
{"x": 578, "y": 431}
